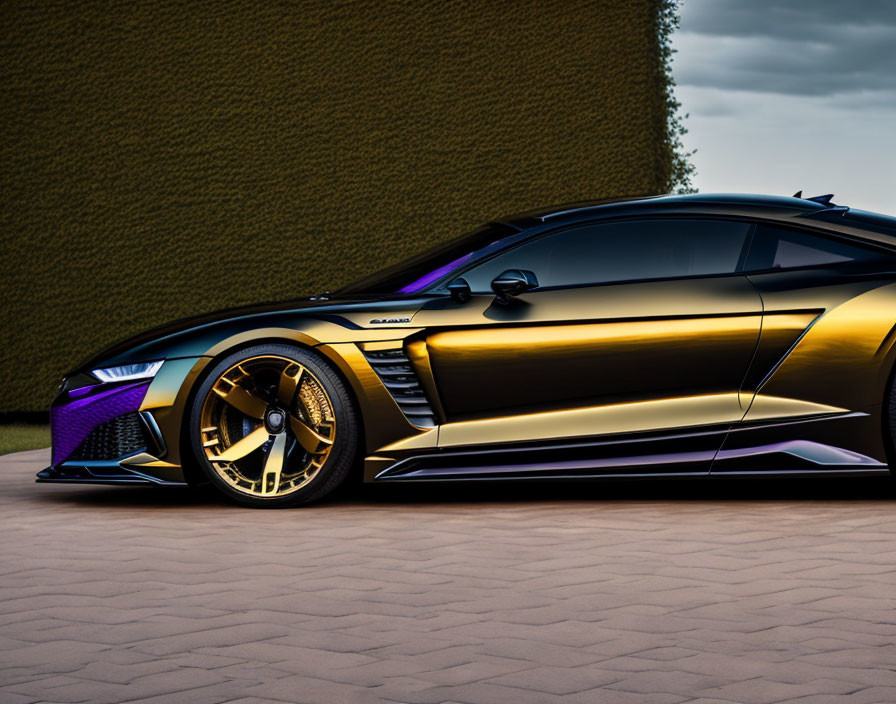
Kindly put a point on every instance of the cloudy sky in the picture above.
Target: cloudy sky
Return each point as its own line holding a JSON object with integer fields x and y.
{"x": 791, "y": 94}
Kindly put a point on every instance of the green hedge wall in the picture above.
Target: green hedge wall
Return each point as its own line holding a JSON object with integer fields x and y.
{"x": 163, "y": 159}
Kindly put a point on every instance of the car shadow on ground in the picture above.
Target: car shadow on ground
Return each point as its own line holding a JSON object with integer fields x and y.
{"x": 758, "y": 489}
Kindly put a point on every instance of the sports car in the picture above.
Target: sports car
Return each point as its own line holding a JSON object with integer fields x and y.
{"x": 667, "y": 336}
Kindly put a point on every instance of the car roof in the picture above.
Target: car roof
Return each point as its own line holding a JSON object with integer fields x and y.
{"x": 819, "y": 213}
{"x": 689, "y": 201}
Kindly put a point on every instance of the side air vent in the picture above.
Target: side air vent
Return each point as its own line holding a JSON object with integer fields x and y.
{"x": 395, "y": 371}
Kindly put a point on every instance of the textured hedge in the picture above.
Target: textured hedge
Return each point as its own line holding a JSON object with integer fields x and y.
{"x": 164, "y": 159}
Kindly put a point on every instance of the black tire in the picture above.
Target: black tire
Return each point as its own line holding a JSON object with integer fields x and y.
{"x": 342, "y": 456}
{"x": 890, "y": 424}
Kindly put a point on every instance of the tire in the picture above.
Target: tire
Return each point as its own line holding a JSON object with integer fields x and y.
{"x": 314, "y": 444}
{"x": 890, "y": 424}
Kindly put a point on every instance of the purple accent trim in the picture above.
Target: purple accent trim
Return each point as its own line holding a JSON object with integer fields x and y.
{"x": 555, "y": 467}
{"x": 83, "y": 391}
{"x": 434, "y": 275}
{"x": 72, "y": 422}
{"x": 815, "y": 452}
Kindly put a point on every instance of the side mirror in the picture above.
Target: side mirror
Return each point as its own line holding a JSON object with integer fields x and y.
{"x": 459, "y": 290}
{"x": 513, "y": 282}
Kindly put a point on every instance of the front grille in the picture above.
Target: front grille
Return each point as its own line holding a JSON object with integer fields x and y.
{"x": 121, "y": 436}
{"x": 395, "y": 371}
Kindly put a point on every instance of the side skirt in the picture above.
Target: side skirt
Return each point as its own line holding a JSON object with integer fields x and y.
{"x": 847, "y": 441}
{"x": 791, "y": 448}
{"x": 637, "y": 476}
{"x": 686, "y": 454}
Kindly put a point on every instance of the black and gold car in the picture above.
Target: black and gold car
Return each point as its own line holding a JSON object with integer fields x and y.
{"x": 672, "y": 336}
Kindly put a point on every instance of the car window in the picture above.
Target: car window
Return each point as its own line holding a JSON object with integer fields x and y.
{"x": 621, "y": 251}
{"x": 781, "y": 248}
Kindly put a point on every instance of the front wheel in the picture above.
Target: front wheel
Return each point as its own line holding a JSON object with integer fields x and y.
{"x": 273, "y": 426}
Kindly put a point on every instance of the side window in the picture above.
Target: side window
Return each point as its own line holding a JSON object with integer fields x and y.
{"x": 621, "y": 251}
{"x": 780, "y": 248}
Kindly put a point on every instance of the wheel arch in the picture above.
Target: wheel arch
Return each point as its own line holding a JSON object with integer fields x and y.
{"x": 888, "y": 400}
{"x": 192, "y": 473}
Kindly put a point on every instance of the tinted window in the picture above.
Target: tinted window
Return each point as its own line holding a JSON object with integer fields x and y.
{"x": 779, "y": 248}
{"x": 622, "y": 251}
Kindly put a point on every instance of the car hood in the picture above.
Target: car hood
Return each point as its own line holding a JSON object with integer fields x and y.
{"x": 167, "y": 341}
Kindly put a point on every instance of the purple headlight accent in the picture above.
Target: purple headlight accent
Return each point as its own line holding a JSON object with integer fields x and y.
{"x": 72, "y": 422}
{"x": 434, "y": 275}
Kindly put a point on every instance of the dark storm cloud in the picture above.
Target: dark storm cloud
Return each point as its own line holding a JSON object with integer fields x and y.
{"x": 822, "y": 47}
{"x": 786, "y": 18}
{"x": 789, "y": 94}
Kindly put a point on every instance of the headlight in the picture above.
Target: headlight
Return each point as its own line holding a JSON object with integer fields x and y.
{"x": 126, "y": 372}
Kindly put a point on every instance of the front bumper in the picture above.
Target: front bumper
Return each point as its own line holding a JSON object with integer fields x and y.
{"x": 107, "y": 433}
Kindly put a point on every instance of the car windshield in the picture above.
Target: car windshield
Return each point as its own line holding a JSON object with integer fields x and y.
{"x": 422, "y": 271}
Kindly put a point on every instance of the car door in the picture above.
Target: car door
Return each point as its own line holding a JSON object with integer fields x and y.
{"x": 637, "y": 326}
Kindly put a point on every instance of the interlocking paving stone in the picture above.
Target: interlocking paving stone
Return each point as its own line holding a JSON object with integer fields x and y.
{"x": 633, "y": 593}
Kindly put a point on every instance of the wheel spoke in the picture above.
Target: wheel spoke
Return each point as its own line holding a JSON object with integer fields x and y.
{"x": 242, "y": 408}
{"x": 289, "y": 382}
{"x": 308, "y": 438}
{"x": 242, "y": 400}
{"x": 273, "y": 466}
{"x": 252, "y": 441}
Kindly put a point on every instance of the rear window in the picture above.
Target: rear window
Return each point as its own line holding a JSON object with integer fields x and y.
{"x": 780, "y": 248}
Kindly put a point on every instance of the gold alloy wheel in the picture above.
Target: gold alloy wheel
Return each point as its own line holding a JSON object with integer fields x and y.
{"x": 267, "y": 426}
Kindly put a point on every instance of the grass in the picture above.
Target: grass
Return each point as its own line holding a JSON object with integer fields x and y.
{"x": 20, "y": 436}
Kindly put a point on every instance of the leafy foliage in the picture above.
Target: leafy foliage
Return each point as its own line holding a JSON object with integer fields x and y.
{"x": 680, "y": 179}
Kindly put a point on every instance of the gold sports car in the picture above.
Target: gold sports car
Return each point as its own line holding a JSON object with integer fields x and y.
{"x": 672, "y": 336}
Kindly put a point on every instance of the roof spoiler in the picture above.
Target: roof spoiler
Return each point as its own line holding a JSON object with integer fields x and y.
{"x": 829, "y": 210}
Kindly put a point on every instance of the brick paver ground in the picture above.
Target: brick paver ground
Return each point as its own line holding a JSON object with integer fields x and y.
{"x": 633, "y": 593}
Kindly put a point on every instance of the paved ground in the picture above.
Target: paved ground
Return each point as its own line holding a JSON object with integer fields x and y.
{"x": 633, "y": 593}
